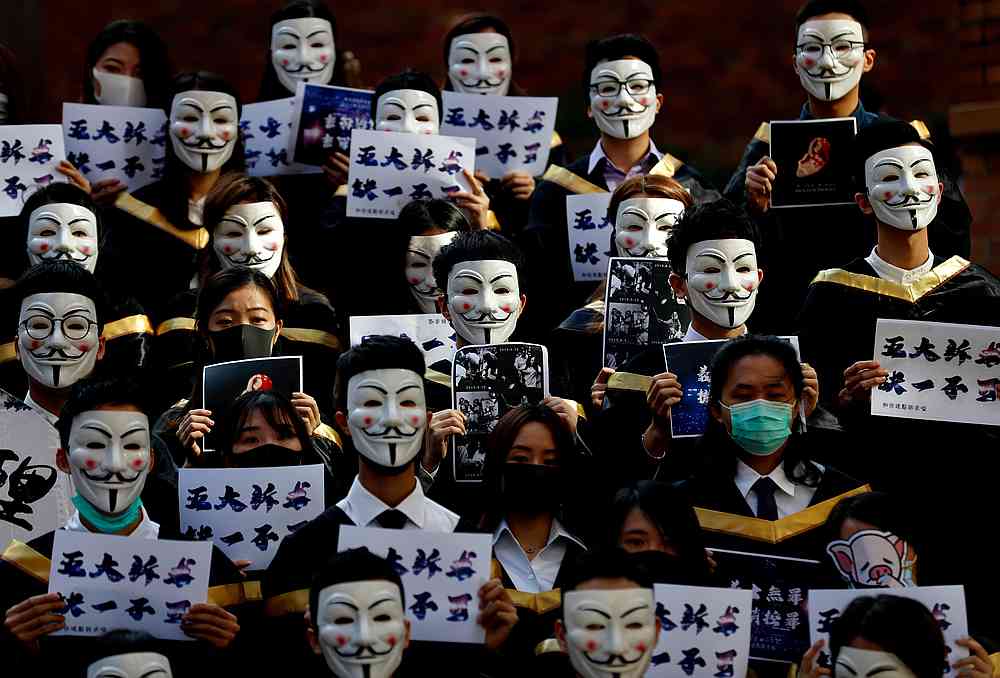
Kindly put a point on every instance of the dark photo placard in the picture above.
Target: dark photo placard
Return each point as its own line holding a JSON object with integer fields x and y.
{"x": 225, "y": 382}
{"x": 324, "y": 118}
{"x": 814, "y": 162}
{"x": 691, "y": 362}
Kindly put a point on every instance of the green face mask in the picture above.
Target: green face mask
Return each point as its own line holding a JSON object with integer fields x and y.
{"x": 760, "y": 426}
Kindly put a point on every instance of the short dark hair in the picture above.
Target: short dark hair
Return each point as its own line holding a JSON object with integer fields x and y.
{"x": 902, "y": 626}
{"x": 736, "y": 349}
{"x": 65, "y": 277}
{"x": 616, "y": 47}
{"x": 716, "y": 220}
{"x": 152, "y": 57}
{"x": 475, "y": 246}
{"x": 376, "y": 352}
{"x": 351, "y": 565}
{"x": 883, "y": 134}
{"x": 222, "y": 283}
{"x": 89, "y": 394}
{"x": 123, "y": 641}
{"x": 608, "y": 563}
{"x": 420, "y": 216}
{"x": 408, "y": 79}
{"x": 57, "y": 192}
{"x": 880, "y": 509}
{"x": 815, "y": 8}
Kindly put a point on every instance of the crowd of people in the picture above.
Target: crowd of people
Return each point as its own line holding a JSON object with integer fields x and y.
{"x": 121, "y": 299}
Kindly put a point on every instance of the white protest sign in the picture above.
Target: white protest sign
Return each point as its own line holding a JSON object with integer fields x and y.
{"x": 701, "y": 628}
{"x": 28, "y": 158}
{"x": 938, "y": 371}
{"x": 390, "y": 169}
{"x": 590, "y": 233}
{"x": 511, "y": 133}
{"x": 431, "y": 332}
{"x": 946, "y": 603}
{"x": 442, "y": 573}
{"x": 116, "y": 142}
{"x": 110, "y": 582}
{"x": 34, "y": 494}
{"x": 266, "y": 129}
{"x": 248, "y": 512}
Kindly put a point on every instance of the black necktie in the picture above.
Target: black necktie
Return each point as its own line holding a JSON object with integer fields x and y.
{"x": 393, "y": 519}
{"x": 766, "y": 508}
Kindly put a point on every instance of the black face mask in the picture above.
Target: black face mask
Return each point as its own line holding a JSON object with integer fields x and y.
{"x": 240, "y": 342}
{"x": 266, "y": 456}
{"x": 531, "y": 488}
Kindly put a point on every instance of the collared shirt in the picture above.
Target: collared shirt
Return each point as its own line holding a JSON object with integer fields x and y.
{"x": 790, "y": 497}
{"x": 863, "y": 117}
{"x": 45, "y": 414}
{"x": 146, "y": 529}
{"x": 887, "y": 271}
{"x": 363, "y": 507}
{"x": 694, "y": 335}
{"x": 613, "y": 176}
{"x": 539, "y": 574}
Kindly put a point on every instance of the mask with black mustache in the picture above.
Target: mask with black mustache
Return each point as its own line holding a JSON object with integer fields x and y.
{"x": 109, "y": 458}
{"x": 829, "y": 57}
{"x": 903, "y": 187}
{"x": 387, "y": 416}
{"x": 361, "y": 628}
{"x": 303, "y": 50}
{"x": 624, "y": 115}
{"x": 480, "y": 63}
{"x": 610, "y": 632}
{"x": 63, "y": 231}
{"x": 250, "y": 234}
{"x": 58, "y": 361}
{"x": 722, "y": 280}
{"x": 204, "y": 126}
{"x": 484, "y": 300}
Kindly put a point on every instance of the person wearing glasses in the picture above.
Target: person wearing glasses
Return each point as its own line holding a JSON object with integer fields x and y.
{"x": 832, "y": 53}
{"x": 622, "y": 81}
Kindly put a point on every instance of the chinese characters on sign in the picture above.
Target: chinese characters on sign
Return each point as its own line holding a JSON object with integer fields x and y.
{"x": 431, "y": 332}
{"x": 266, "y": 131}
{"x": 590, "y": 233}
{"x": 323, "y": 118}
{"x": 28, "y": 158}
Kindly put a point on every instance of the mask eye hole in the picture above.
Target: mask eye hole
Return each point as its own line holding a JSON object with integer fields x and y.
{"x": 633, "y": 626}
{"x": 408, "y": 403}
{"x": 595, "y": 627}
{"x": 343, "y": 620}
{"x": 501, "y": 290}
{"x": 712, "y": 269}
{"x": 95, "y": 446}
{"x": 372, "y": 403}
{"x": 382, "y": 618}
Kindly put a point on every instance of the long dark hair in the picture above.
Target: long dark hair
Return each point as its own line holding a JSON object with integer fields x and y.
{"x": 152, "y": 57}
{"x": 270, "y": 87}
{"x": 416, "y": 218}
{"x": 277, "y": 411}
{"x": 220, "y": 285}
{"x": 480, "y": 23}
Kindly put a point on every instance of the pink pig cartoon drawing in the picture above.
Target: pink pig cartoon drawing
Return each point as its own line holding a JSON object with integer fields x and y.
{"x": 873, "y": 558}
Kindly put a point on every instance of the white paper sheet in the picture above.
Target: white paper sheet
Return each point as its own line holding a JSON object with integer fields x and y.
{"x": 266, "y": 129}
{"x": 590, "y": 232}
{"x": 28, "y": 158}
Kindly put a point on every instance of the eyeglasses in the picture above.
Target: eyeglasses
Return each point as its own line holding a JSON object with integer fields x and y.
{"x": 75, "y": 327}
{"x": 611, "y": 88}
{"x": 838, "y": 48}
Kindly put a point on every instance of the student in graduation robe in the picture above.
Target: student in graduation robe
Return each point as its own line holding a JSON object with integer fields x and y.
{"x": 104, "y": 432}
{"x": 832, "y": 52}
{"x": 623, "y": 85}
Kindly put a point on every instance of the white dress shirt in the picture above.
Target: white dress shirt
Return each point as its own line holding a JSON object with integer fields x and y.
{"x": 532, "y": 576}
{"x": 790, "y": 497}
{"x": 694, "y": 335}
{"x": 613, "y": 175}
{"x": 895, "y": 274}
{"x": 146, "y": 529}
{"x": 363, "y": 507}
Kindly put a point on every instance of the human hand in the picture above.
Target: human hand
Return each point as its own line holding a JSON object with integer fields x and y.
{"x": 336, "y": 168}
{"x": 566, "y": 409}
{"x": 859, "y": 380}
{"x": 211, "y": 623}
{"x": 519, "y": 183}
{"x": 443, "y": 425}
{"x": 475, "y": 202}
{"x": 599, "y": 389}
{"x": 307, "y": 409}
{"x": 35, "y": 617}
{"x": 497, "y": 613}
{"x": 66, "y": 168}
{"x": 977, "y": 664}
{"x": 195, "y": 425}
{"x": 809, "y": 668}
{"x": 810, "y": 388}
{"x": 760, "y": 183}
{"x": 105, "y": 191}
{"x": 663, "y": 393}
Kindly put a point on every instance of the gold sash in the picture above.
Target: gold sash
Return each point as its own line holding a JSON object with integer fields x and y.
{"x": 912, "y": 293}
{"x": 539, "y": 603}
{"x": 328, "y": 432}
{"x": 311, "y": 336}
{"x": 293, "y": 602}
{"x": 627, "y": 381}
{"x": 556, "y": 140}
{"x": 196, "y": 238}
{"x": 28, "y": 560}
{"x": 571, "y": 182}
{"x": 341, "y": 191}
{"x": 437, "y": 377}
{"x": 8, "y": 352}
{"x": 921, "y": 128}
{"x": 181, "y": 323}
{"x": 667, "y": 166}
{"x": 763, "y": 133}
{"x": 133, "y": 324}
{"x": 228, "y": 595}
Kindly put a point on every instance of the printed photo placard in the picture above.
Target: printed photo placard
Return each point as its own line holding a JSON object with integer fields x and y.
{"x": 116, "y": 142}
{"x": 323, "y": 118}
{"x": 814, "y": 162}
{"x": 590, "y": 232}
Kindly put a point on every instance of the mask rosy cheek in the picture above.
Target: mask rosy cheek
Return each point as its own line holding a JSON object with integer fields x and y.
{"x": 83, "y": 347}
{"x": 284, "y": 62}
{"x": 35, "y": 343}
{"x": 463, "y": 72}
{"x": 931, "y": 190}
{"x": 466, "y": 307}
{"x": 629, "y": 242}
{"x": 502, "y": 73}
{"x": 748, "y": 287}
{"x": 323, "y": 58}
{"x": 415, "y": 421}
{"x": 414, "y": 281}
{"x": 367, "y": 421}
{"x": 604, "y": 104}
{"x": 709, "y": 286}
{"x": 391, "y": 640}
{"x": 138, "y": 464}
{"x": 505, "y": 308}
{"x": 183, "y": 132}
{"x": 271, "y": 247}
{"x": 591, "y": 645}
{"x": 888, "y": 194}
{"x": 641, "y": 647}
{"x": 44, "y": 247}
{"x": 85, "y": 250}
{"x": 227, "y": 249}
{"x": 341, "y": 641}
{"x": 808, "y": 63}
{"x": 226, "y": 135}
{"x": 90, "y": 464}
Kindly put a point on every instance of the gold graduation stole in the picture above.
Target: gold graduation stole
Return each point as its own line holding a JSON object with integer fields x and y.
{"x": 133, "y": 324}
{"x": 539, "y": 603}
{"x": 8, "y": 352}
{"x": 912, "y": 293}
{"x": 310, "y": 336}
{"x": 173, "y": 324}
{"x": 293, "y": 602}
{"x": 666, "y": 167}
{"x": 196, "y": 238}
{"x": 628, "y": 381}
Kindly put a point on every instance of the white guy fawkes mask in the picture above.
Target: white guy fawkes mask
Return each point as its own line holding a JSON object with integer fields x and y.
{"x": 830, "y": 57}
{"x": 484, "y": 300}
{"x": 643, "y": 225}
{"x": 250, "y": 234}
{"x": 203, "y": 128}
{"x": 407, "y": 110}
{"x": 131, "y": 665}
{"x": 420, "y": 270}
{"x": 722, "y": 280}
{"x": 386, "y": 415}
{"x": 623, "y": 97}
{"x": 63, "y": 230}
{"x": 903, "y": 187}
{"x": 479, "y": 63}
{"x": 361, "y": 628}
{"x": 57, "y": 338}
{"x": 856, "y": 663}
{"x": 109, "y": 457}
{"x": 302, "y": 50}
{"x": 610, "y": 633}
{"x": 119, "y": 90}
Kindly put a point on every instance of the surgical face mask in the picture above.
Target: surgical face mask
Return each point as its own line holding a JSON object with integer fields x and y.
{"x": 623, "y": 97}
{"x": 109, "y": 457}
{"x": 484, "y": 300}
{"x": 872, "y": 558}
{"x": 131, "y": 665}
{"x": 361, "y": 628}
{"x": 57, "y": 337}
{"x": 480, "y": 63}
{"x": 856, "y": 663}
{"x": 610, "y": 633}
{"x": 531, "y": 488}
{"x": 115, "y": 89}
{"x": 251, "y": 235}
{"x": 722, "y": 280}
{"x": 387, "y": 415}
{"x": 903, "y": 187}
{"x": 760, "y": 426}
{"x": 241, "y": 342}
{"x": 420, "y": 269}
{"x": 302, "y": 50}
{"x": 413, "y": 111}
{"x": 830, "y": 57}
{"x": 63, "y": 231}
{"x": 643, "y": 225}
{"x": 204, "y": 126}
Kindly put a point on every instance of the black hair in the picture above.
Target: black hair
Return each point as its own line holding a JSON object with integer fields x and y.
{"x": 62, "y": 276}
{"x": 883, "y": 134}
{"x": 152, "y": 58}
{"x": 901, "y": 626}
{"x": 480, "y": 23}
{"x": 277, "y": 411}
{"x": 12, "y": 84}
{"x": 716, "y": 220}
{"x": 420, "y": 216}
{"x": 270, "y": 87}
{"x": 222, "y": 283}
{"x": 408, "y": 79}
{"x": 475, "y": 246}
{"x": 58, "y": 192}
{"x": 351, "y": 565}
{"x": 89, "y": 394}
{"x": 814, "y": 8}
{"x": 123, "y": 641}
{"x": 880, "y": 509}
{"x": 615, "y": 47}
{"x": 608, "y": 563}
{"x": 376, "y": 352}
